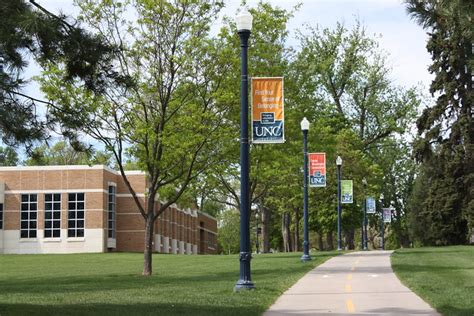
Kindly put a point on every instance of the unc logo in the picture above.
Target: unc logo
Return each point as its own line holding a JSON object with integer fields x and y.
{"x": 268, "y": 131}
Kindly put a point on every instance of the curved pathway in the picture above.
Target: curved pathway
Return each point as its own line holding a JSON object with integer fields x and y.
{"x": 358, "y": 283}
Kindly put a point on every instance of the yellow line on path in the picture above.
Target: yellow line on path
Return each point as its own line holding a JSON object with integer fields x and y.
{"x": 349, "y": 277}
{"x": 348, "y": 288}
{"x": 350, "y": 306}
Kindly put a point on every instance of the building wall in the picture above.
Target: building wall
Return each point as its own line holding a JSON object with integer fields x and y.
{"x": 176, "y": 230}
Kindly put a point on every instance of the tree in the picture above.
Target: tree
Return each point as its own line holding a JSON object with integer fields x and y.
{"x": 28, "y": 29}
{"x": 8, "y": 157}
{"x": 229, "y": 231}
{"x": 61, "y": 153}
{"x": 446, "y": 131}
{"x": 167, "y": 119}
{"x": 344, "y": 87}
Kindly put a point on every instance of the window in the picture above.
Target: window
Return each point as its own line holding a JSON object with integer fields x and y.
{"x": 28, "y": 215}
{"x": 52, "y": 215}
{"x": 75, "y": 223}
{"x": 1, "y": 216}
{"x": 111, "y": 211}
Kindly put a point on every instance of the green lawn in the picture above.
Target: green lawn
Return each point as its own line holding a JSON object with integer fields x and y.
{"x": 112, "y": 284}
{"x": 444, "y": 276}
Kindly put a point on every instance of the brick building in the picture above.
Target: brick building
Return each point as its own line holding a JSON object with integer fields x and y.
{"x": 72, "y": 209}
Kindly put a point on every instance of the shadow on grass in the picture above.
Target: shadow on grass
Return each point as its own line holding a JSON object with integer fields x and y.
{"x": 127, "y": 309}
{"x": 110, "y": 282}
{"x": 431, "y": 268}
{"x": 454, "y": 311}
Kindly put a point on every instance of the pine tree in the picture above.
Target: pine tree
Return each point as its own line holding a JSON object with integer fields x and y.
{"x": 446, "y": 133}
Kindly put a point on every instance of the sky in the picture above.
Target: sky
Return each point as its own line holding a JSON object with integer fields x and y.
{"x": 400, "y": 36}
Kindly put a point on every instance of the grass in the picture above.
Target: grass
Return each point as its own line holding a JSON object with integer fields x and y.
{"x": 443, "y": 276}
{"x": 98, "y": 284}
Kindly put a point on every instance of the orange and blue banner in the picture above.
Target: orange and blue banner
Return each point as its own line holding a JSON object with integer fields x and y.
{"x": 317, "y": 170}
{"x": 268, "y": 110}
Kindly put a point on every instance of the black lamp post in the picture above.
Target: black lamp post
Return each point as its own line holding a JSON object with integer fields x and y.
{"x": 364, "y": 223}
{"x": 339, "y": 237}
{"x": 305, "y": 127}
{"x": 244, "y": 25}
{"x": 256, "y": 243}
{"x": 382, "y": 223}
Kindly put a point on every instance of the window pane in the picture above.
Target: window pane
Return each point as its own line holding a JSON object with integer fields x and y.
{"x": 71, "y": 206}
{"x": 80, "y": 224}
{"x": 24, "y": 215}
{"x": 47, "y": 233}
{"x": 57, "y": 215}
{"x": 33, "y": 207}
{"x": 32, "y": 233}
{"x": 80, "y": 214}
{"x": 48, "y": 197}
{"x": 32, "y": 197}
{"x": 48, "y": 207}
{"x": 47, "y": 225}
{"x": 32, "y": 224}
{"x": 71, "y": 224}
{"x": 80, "y": 233}
{"x": 80, "y": 205}
{"x": 24, "y": 197}
{"x": 24, "y": 206}
{"x": 57, "y": 206}
{"x": 56, "y": 233}
{"x": 33, "y": 215}
{"x": 80, "y": 196}
{"x": 72, "y": 214}
{"x": 71, "y": 233}
{"x": 71, "y": 197}
{"x": 24, "y": 225}
{"x": 56, "y": 224}
{"x": 57, "y": 196}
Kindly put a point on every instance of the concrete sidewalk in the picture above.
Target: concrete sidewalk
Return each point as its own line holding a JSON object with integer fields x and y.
{"x": 358, "y": 283}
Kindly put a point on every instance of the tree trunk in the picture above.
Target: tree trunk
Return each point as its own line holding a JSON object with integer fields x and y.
{"x": 320, "y": 242}
{"x": 285, "y": 229}
{"x": 266, "y": 229}
{"x": 296, "y": 242}
{"x": 350, "y": 239}
{"x": 330, "y": 241}
{"x": 147, "y": 267}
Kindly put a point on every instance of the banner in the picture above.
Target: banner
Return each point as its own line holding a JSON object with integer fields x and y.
{"x": 317, "y": 170}
{"x": 370, "y": 205}
{"x": 267, "y": 111}
{"x": 387, "y": 215}
{"x": 346, "y": 191}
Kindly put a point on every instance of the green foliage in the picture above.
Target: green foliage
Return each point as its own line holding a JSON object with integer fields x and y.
{"x": 61, "y": 153}
{"x": 8, "y": 157}
{"x": 28, "y": 29}
{"x": 228, "y": 235}
{"x": 445, "y": 145}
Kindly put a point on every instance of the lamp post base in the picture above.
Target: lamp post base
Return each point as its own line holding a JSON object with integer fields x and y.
{"x": 243, "y": 285}
{"x": 305, "y": 258}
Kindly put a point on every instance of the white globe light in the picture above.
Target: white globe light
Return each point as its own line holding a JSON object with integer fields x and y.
{"x": 338, "y": 160}
{"x": 244, "y": 20}
{"x": 304, "y": 124}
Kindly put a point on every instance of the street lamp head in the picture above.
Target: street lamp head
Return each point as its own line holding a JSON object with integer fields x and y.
{"x": 304, "y": 124}
{"x": 338, "y": 160}
{"x": 381, "y": 196}
{"x": 257, "y": 215}
{"x": 244, "y": 20}
{"x": 364, "y": 181}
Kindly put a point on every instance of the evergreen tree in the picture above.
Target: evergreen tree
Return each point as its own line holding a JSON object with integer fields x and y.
{"x": 446, "y": 133}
